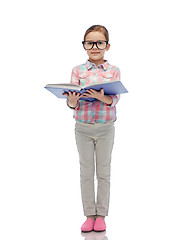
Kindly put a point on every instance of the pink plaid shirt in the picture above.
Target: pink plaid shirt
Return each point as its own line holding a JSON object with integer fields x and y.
{"x": 96, "y": 111}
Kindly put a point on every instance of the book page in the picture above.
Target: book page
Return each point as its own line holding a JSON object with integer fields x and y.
{"x": 65, "y": 85}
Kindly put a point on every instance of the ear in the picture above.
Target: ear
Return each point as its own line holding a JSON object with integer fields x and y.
{"x": 108, "y": 46}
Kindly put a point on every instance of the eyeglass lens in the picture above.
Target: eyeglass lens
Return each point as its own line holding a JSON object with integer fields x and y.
{"x": 99, "y": 44}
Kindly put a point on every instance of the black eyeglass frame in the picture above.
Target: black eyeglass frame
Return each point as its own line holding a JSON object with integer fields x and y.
{"x": 83, "y": 42}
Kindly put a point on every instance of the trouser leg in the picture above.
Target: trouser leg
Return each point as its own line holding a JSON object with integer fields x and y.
{"x": 104, "y": 145}
{"x": 85, "y": 145}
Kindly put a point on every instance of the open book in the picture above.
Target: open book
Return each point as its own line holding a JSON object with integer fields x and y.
{"x": 110, "y": 88}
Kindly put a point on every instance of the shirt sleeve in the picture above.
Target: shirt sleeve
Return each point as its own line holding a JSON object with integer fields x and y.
{"x": 115, "y": 98}
{"x": 74, "y": 76}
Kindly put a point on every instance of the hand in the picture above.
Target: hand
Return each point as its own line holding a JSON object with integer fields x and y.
{"x": 73, "y": 98}
{"x": 99, "y": 95}
{"x": 94, "y": 94}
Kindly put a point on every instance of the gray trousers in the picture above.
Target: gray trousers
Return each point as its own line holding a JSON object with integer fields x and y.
{"x": 94, "y": 144}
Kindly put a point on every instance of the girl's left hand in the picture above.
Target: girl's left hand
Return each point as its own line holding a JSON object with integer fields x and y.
{"x": 94, "y": 94}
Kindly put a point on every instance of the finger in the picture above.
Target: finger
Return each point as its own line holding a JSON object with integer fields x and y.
{"x": 102, "y": 91}
{"x": 93, "y": 91}
{"x": 89, "y": 90}
{"x": 74, "y": 93}
{"x": 78, "y": 95}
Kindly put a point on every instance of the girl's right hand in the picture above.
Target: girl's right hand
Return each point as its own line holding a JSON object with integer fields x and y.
{"x": 73, "y": 98}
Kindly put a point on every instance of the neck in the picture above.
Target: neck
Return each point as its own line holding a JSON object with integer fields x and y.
{"x": 98, "y": 62}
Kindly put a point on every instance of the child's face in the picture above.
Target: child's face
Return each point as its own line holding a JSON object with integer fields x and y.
{"x": 96, "y": 54}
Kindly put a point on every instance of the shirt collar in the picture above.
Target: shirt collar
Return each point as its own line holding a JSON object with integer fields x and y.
{"x": 89, "y": 65}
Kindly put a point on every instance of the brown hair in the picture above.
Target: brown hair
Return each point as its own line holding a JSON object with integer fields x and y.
{"x": 98, "y": 28}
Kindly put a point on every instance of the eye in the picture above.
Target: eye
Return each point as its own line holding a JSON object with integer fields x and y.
{"x": 90, "y": 43}
{"x": 100, "y": 42}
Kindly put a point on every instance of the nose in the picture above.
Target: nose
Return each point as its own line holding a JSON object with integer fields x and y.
{"x": 94, "y": 46}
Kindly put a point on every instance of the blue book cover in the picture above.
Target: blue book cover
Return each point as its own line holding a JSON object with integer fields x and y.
{"x": 110, "y": 88}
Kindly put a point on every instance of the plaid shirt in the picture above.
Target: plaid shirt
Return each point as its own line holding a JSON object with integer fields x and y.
{"x": 96, "y": 111}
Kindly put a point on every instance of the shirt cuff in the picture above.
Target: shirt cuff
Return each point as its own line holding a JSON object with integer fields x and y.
{"x": 115, "y": 99}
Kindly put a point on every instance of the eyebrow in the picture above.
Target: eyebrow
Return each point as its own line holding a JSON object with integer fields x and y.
{"x": 94, "y": 41}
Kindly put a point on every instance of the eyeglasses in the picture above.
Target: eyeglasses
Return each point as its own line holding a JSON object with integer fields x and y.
{"x": 99, "y": 44}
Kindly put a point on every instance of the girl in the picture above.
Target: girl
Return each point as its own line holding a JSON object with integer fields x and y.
{"x": 94, "y": 129}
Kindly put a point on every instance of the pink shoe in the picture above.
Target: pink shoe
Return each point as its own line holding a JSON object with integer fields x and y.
{"x": 99, "y": 225}
{"x": 88, "y": 225}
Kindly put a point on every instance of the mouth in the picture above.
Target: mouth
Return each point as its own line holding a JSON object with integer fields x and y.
{"x": 95, "y": 52}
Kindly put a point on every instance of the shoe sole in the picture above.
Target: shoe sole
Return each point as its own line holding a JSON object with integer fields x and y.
{"x": 87, "y": 231}
{"x": 99, "y": 230}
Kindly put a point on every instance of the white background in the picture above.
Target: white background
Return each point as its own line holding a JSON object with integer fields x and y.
{"x": 40, "y": 43}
